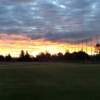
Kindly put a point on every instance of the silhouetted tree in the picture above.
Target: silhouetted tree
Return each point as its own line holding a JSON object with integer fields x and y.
{"x": 60, "y": 57}
{"x": 67, "y": 56}
{"x": 96, "y": 57}
{"x": 27, "y": 57}
{"x": 97, "y": 48}
{"x": 81, "y": 56}
{"x": 21, "y": 56}
{"x": 60, "y": 54}
{"x": 2, "y": 58}
{"x": 8, "y": 58}
{"x": 44, "y": 57}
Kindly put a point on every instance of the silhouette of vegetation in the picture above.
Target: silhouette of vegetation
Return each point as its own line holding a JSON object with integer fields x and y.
{"x": 25, "y": 56}
{"x": 22, "y": 56}
{"x": 8, "y": 58}
{"x": 43, "y": 57}
{"x": 80, "y": 56}
{"x": 2, "y": 58}
{"x": 97, "y": 48}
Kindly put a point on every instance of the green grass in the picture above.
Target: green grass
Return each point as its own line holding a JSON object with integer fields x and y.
{"x": 48, "y": 81}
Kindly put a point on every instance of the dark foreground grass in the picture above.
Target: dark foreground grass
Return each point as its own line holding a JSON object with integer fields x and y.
{"x": 29, "y": 81}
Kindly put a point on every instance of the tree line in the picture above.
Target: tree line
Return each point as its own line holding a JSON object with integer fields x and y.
{"x": 80, "y": 56}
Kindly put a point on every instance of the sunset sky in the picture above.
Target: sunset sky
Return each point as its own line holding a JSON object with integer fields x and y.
{"x": 48, "y": 25}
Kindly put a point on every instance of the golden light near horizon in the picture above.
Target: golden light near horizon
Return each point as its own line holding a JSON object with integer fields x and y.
{"x": 34, "y": 47}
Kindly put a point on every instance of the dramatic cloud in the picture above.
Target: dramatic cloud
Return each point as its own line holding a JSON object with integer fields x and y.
{"x": 51, "y": 19}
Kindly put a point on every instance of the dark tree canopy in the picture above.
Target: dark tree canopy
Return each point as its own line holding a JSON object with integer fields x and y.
{"x": 97, "y": 48}
{"x": 80, "y": 56}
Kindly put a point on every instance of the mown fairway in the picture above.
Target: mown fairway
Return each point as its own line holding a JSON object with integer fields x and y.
{"x": 29, "y": 81}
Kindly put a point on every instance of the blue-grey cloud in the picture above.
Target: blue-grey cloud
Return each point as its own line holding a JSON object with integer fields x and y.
{"x": 51, "y": 19}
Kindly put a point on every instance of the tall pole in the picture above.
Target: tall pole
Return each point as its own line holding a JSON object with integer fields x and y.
{"x": 86, "y": 47}
{"x": 82, "y": 45}
{"x": 91, "y": 47}
{"x": 96, "y": 41}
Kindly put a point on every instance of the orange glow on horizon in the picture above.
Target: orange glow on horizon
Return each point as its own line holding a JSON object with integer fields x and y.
{"x": 14, "y": 44}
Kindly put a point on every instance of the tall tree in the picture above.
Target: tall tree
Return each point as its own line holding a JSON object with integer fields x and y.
{"x": 27, "y": 57}
{"x": 22, "y": 54}
{"x": 8, "y": 57}
{"x": 97, "y": 48}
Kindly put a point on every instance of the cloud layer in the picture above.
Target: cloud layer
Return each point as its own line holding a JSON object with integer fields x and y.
{"x": 51, "y": 19}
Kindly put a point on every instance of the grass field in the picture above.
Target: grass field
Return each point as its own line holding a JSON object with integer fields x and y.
{"x": 48, "y": 81}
